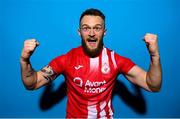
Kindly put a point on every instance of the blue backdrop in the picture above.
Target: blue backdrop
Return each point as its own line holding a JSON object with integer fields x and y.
{"x": 54, "y": 24}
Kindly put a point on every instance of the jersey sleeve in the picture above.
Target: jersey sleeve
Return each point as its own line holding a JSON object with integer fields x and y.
{"x": 58, "y": 64}
{"x": 124, "y": 64}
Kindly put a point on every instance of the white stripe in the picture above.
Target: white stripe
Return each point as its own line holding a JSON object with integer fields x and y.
{"x": 105, "y": 57}
{"x": 110, "y": 110}
{"x": 105, "y": 62}
{"x": 92, "y": 112}
{"x": 94, "y": 64}
{"x": 102, "y": 106}
{"x": 113, "y": 59}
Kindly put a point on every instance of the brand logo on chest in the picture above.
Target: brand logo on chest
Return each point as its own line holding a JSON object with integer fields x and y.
{"x": 78, "y": 67}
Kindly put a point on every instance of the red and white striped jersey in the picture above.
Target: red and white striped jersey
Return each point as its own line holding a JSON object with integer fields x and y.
{"x": 90, "y": 81}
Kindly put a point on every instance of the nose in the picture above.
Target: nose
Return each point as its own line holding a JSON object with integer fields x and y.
{"x": 91, "y": 33}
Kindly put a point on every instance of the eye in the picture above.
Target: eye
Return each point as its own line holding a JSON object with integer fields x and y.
{"x": 97, "y": 28}
{"x": 85, "y": 29}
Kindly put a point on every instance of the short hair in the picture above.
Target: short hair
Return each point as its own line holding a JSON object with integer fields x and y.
{"x": 92, "y": 12}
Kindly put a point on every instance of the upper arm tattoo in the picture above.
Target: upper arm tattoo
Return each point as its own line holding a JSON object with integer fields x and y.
{"x": 48, "y": 73}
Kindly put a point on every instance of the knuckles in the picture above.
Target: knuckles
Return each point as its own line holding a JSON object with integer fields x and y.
{"x": 150, "y": 38}
{"x": 30, "y": 45}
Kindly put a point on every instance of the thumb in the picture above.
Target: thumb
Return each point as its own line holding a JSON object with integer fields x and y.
{"x": 37, "y": 43}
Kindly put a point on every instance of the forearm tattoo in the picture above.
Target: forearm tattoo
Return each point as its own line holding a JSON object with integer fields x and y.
{"x": 48, "y": 73}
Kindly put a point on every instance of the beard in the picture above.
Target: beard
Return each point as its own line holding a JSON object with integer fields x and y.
{"x": 92, "y": 52}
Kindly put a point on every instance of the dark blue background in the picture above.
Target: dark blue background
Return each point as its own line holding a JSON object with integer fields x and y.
{"x": 54, "y": 24}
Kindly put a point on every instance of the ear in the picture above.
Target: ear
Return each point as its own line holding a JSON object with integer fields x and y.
{"x": 79, "y": 32}
{"x": 105, "y": 31}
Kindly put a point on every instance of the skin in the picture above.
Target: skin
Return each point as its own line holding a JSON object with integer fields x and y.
{"x": 149, "y": 80}
{"x": 92, "y": 29}
{"x": 152, "y": 79}
{"x": 34, "y": 79}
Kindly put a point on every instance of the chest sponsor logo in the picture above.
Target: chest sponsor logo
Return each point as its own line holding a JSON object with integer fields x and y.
{"x": 78, "y": 81}
{"x": 90, "y": 86}
{"x": 94, "y": 86}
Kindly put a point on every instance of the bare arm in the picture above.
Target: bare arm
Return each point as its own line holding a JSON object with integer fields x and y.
{"x": 34, "y": 79}
{"x": 152, "y": 79}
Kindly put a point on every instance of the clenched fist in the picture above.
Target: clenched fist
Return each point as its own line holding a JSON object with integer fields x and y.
{"x": 151, "y": 41}
{"x": 29, "y": 47}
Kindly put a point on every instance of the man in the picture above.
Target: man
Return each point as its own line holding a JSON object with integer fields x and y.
{"x": 90, "y": 70}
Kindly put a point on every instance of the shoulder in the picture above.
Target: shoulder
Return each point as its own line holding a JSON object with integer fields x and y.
{"x": 73, "y": 51}
{"x": 119, "y": 59}
{"x": 116, "y": 55}
{"x": 60, "y": 62}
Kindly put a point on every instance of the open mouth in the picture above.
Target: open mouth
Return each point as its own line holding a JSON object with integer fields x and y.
{"x": 92, "y": 42}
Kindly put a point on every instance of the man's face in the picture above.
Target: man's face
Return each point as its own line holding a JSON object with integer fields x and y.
{"x": 92, "y": 31}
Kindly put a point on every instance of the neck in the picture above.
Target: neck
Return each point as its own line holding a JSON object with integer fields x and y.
{"x": 93, "y": 54}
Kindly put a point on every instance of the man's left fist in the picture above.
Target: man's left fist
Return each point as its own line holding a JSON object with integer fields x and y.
{"x": 151, "y": 41}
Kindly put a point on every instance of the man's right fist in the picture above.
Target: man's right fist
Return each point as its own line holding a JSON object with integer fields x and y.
{"x": 29, "y": 47}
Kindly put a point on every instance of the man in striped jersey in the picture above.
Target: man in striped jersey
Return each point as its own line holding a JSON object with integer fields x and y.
{"x": 90, "y": 70}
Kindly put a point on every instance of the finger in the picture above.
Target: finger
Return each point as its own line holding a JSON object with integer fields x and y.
{"x": 149, "y": 41}
{"x": 148, "y": 34}
{"x": 30, "y": 48}
{"x": 33, "y": 42}
{"x": 151, "y": 35}
{"x": 30, "y": 40}
{"x": 31, "y": 45}
{"x": 37, "y": 43}
{"x": 145, "y": 39}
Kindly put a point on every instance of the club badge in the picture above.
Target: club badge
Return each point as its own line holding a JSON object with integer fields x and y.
{"x": 105, "y": 69}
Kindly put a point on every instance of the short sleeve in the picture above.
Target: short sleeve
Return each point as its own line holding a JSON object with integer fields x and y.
{"x": 124, "y": 64}
{"x": 58, "y": 64}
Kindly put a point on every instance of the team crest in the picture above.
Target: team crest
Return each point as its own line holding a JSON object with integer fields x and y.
{"x": 105, "y": 69}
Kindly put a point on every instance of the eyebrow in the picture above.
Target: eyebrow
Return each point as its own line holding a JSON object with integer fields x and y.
{"x": 93, "y": 26}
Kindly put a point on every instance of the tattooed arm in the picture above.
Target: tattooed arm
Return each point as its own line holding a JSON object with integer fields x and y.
{"x": 44, "y": 76}
{"x": 35, "y": 79}
{"x": 31, "y": 78}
